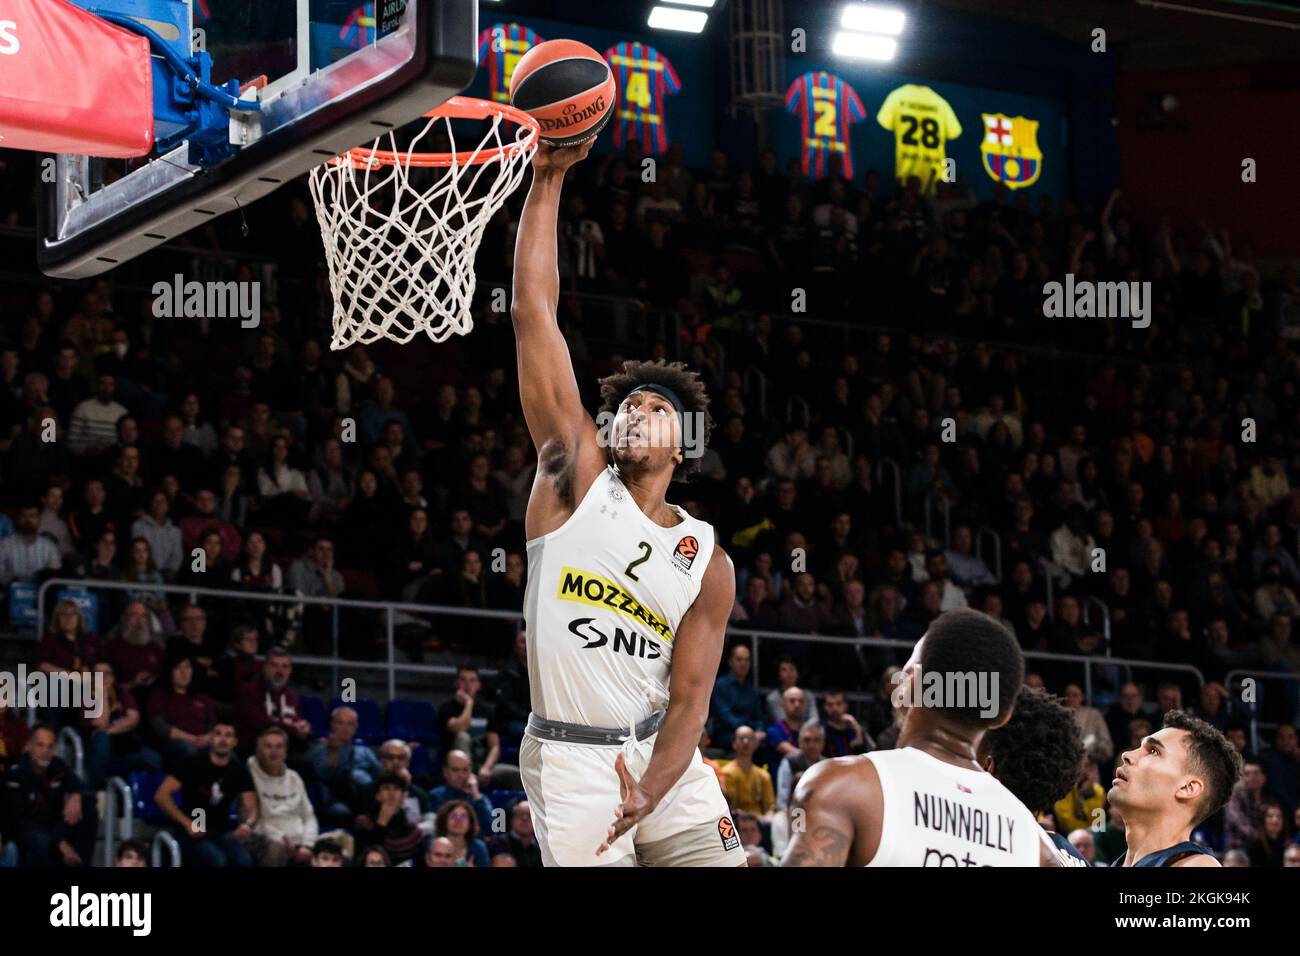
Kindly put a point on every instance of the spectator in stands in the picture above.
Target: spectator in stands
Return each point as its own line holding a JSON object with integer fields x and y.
{"x": 1084, "y": 805}
{"x": 286, "y": 825}
{"x": 792, "y": 458}
{"x": 1270, "y": 839}
{"x": 1282, "y": 769}
{"x": 52, "y": 525}
{"x": 91, "y": 520}
{"x": 330, "y": 485}
{"x": 163, "y": 537}
{"x": 1244, "y": 813}
{"x": 272, "y": 702}
{"x": 285, "y": 498}
{"x": 1129, "y": 707}
{"x": 67, "y": 645}
{"x": 1273, "y": 597}
{"x": 314, "y": 575}
{"x": 735, "y": 701}
{"x": 513, "y": 702}
{"x": 329, "y": 853}
{"x": 783, "y": 736}
{"x": 968, "y": 571}
{"x": 43, "y": 810}
{"x": 440, "y": 852}
{"x": 27, "y": 555}
{"x": 1097, "y": 742}
{"x": 1270, "y": 549}
{"x": 132, "y": 854}
{"x": 936, "y": 568}
{"x": 195, "y": 642}
{"x": 196, "y": 527}
{"x": 812, "y": 743}
{"x": 237, "y": 668}
{"x": 460, "y": 783}
{"x": 748, "y": 787}
{"x": 456, "y": 822}
{"x": 418, "y": 805}
{"x": 212, "y": 786}
{"x": 139, "y": 568}
{"x": 385, "y": 824}
{"x": 13, "y": 737}
{"x": 345, "y": 768}
{"x": 374, "y": 856}
{"x": 256, "y": 572}
{"x": 787, "y": 676}
{"x": 467, "y": 722}
{"x": 843, "y": 734}
{"x": 180, "y": 718}
{"x": 93, "y": 425}
{"x": 113, "y": 742}
{"x": 520, "y": 841}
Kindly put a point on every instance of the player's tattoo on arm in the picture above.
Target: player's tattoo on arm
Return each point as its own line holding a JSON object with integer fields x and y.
{"x": 823, "y": 846}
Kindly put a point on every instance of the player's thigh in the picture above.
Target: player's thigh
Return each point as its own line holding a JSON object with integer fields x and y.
{"x": 711, "y": 843}
{"x": 692, "y": 825}
{"x": 573, "y": 792}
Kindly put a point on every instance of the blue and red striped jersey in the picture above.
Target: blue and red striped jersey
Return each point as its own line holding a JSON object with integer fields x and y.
{"x": 644, "y": 77}
{"x": 358, "y": 29}
{"x": 826, "y": 107}
{"x": 500, "y": 47}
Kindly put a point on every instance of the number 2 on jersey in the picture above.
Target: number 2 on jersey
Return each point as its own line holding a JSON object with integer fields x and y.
{"x": 644, "y": 545}
{"x": 824, "y": 126}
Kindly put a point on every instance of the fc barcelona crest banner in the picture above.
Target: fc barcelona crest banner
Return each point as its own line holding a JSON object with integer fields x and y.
{"x": 1010, "y": 150}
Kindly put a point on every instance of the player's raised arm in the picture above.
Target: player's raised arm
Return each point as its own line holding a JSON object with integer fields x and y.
{"x": 548, "y": 389}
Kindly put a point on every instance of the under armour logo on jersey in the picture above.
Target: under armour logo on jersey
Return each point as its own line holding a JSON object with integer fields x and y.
{"x": 613, "y": 513}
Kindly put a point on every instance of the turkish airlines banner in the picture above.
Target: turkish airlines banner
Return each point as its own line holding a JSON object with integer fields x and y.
{"x": 72, "y": 83}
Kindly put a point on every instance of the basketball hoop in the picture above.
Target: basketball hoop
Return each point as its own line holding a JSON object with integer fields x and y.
{"x": 401, "y": 253}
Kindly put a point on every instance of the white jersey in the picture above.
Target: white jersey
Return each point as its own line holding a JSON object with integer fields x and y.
{"x": 606, "y": 592}
{"x": 937, "y": 814}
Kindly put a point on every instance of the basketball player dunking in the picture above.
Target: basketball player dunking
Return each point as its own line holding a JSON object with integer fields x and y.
{"x": 1178, "y": 777}
{"x": 627, "y": 597}
{"x": 928, "y": 802}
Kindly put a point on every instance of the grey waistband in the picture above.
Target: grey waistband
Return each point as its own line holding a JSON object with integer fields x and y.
{"x": 561, "y": 732}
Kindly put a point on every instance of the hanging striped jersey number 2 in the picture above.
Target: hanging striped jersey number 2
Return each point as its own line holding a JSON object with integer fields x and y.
{"x": 826, "y": 107}
{"x": 500, "y": 48}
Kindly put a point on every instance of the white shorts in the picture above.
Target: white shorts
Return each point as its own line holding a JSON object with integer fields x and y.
{"x": 573, "y": 791}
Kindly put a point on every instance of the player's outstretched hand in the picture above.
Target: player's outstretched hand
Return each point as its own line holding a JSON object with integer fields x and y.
{"x": 560, "y": 158}
{"x": 634, "y": 806}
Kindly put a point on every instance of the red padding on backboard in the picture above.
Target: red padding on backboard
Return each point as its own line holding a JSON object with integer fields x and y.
{"x": 72, "y": 83}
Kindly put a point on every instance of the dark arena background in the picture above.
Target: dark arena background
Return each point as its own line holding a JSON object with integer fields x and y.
{"x": 996, "y": 305}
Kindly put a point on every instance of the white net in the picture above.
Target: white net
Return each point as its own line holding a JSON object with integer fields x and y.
{"x": 400, "y": 236}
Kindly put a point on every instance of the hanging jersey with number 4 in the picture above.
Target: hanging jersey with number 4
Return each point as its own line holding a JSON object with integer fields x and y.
{"x": 500, "y": 47}
{"x": 606, "y": 593}
{"x": 922, "y": 122}
{"x": 826, "y": 107}
{"x": 644, "y": 77}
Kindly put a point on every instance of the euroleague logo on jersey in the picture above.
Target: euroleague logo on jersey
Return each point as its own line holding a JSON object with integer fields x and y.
{"x": 685, "y": 552}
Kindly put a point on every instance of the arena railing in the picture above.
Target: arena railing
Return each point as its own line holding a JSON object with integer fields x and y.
{"x": 997, "y": 550}
{"x": 391, "y": 666}
{"x": 928, "y": 507}
{"x": 118, "y": 799}
{"x": 1235, "y": 701}
{"x": 1126, "y": 664}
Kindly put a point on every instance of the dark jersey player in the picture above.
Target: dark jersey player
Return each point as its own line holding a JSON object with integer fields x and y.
{"x": 1037, "y": 755}
{"x": 1178, "y": 777}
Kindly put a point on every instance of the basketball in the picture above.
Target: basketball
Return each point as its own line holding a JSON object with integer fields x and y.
{"x": 567, "y": 87}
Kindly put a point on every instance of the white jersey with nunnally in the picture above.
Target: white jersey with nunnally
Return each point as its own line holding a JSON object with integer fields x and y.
{"x": 937, "y": 814}
{"x": 606, "y": 593}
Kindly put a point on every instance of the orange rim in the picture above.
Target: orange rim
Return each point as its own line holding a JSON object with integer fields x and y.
{"x": 458, "y": 107}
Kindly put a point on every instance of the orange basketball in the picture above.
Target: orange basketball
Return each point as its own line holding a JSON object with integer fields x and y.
{"x": 567, "y": 87}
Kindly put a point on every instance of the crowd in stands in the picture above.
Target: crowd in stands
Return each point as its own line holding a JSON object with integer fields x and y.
{"x": 874, "y": 355}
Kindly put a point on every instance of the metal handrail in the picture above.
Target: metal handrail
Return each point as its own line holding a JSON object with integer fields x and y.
{"x": 928, "y": 506}
{"x": 997, "y": 549}
{"x": 898, "y": 485}
{"x": 1254, "y": 714}
{"x": 70, "y": 741}
{"x": 164, "y": 839}
{"x": 1088, "y": 602}
{"x": 116, "y": 788}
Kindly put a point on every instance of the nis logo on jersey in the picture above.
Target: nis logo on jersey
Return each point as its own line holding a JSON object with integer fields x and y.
{"x": 629, "y": 642}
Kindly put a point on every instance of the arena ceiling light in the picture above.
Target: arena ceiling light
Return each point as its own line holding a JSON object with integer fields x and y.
{"x": 675, "y": 18}
{"x": 867, "y": 32}
{"x": 694, "y": 3}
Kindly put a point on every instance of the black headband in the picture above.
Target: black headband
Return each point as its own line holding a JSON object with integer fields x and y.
{"x": 663, "y": 391}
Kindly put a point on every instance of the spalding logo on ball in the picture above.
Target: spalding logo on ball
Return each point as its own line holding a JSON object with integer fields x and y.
{"x": 567, "y": 87}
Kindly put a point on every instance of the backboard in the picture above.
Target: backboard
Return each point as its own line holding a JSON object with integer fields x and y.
{"x": 329, "y": 75}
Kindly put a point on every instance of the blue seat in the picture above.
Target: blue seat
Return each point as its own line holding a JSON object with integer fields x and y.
{"x": 413, "y": 720}
{"x": 313, "y": 711}
{"x": 144, "y": 784}
{"x": 370, "y": 725}
{"x": 421, "y": 760}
